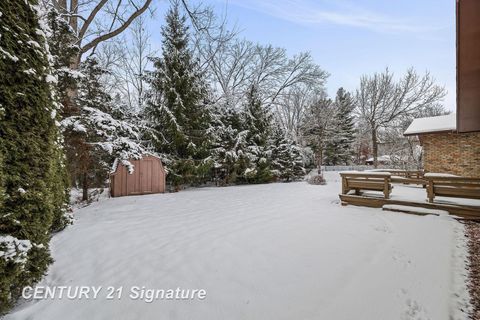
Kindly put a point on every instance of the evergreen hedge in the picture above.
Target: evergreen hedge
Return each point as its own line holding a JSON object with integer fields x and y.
{"x": 32, "y": 173}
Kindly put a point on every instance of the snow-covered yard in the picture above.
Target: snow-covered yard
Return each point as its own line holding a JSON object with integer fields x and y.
{"x": 277, "y": 251}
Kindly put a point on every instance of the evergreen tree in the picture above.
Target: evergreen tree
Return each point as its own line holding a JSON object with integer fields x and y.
{"x": 258, "y": 120}
{"x": 2, "y": 191}
{"x": 229, "y": 147}
{"x": 287, "y": 159}
{"x": 317, "y": 127}
{"x": 251, "y": 148}
{"x": 102, "y": 132}
{"x": 339, "y": 148}
{"x": 61, "y": 52}
{"x": 177, "y": 108}
{"x": 61, "y": 39}
{"x": 258, "y": 123}
{"x": 93, "y": 101}
{"x": 29, "y": 139}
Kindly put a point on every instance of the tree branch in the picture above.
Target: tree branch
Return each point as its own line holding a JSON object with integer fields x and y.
{"x": 90, "y": 18}
{"x": 117, "y": 31}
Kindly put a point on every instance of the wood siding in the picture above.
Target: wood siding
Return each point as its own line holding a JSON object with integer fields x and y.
{"x": 468, "y": 65}
{"x": 148, "y": 177}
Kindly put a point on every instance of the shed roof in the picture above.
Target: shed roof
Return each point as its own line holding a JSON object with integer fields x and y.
{"x": 117, "y": 161}
{"x": 432, "y": 124}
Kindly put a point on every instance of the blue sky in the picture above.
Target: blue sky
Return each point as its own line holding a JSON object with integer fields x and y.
{"x": 349, "y": 38}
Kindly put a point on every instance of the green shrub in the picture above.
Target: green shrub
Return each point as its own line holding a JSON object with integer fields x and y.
{"x": 34, "y": 186}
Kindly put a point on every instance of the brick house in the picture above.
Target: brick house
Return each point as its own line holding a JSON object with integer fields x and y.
{"x": 445, "y": 149}
{"x": 451, "y": 143}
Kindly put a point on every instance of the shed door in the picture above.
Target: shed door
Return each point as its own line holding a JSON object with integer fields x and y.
{"x": 136, "y": 178}
{"x": 146, "y": 175}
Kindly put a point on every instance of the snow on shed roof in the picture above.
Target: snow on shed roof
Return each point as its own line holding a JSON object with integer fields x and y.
{"x": 117, "y": 161}
{"x": 432, "y": 124}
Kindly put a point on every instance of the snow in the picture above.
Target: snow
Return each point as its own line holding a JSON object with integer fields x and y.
{"x": 51, "y": 78}
{"x": 30, "y": 71}
{"x": 432, "y": 124}
{"x": 439, "y": 175}
{"x": 414, "y": 209}
{"x": 6, "y": 54}
{"x": 95, "y": 194}
{"x": 14, "y": 249}
{"x": 385, "y": 158}
{"x": 114, "y": 166}
{"x": 277, "y": 251}
{"x": 370, "y": 173}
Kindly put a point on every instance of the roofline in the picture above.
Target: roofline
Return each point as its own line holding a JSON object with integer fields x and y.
{"x": 116, "y": 162}
{"x": 430, "y": 132}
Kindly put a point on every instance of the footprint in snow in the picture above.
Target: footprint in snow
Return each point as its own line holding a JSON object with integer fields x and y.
{"x": 414, "y": 311}
{"x": 402, "y": 259}
{"x": 382, "y": 228}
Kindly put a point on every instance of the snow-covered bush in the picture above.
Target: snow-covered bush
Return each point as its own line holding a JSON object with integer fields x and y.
{"x": 316, "y": 179}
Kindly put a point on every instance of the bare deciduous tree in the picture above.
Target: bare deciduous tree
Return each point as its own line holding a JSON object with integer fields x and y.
{"x": 97, "y": 21}
{"x": 238, "y": 65}
{"x": 292, "y": 106}
{"x": 127, "y": 59}
{"x": 381, "y": 100}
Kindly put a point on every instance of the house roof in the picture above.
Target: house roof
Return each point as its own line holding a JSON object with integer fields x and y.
{"x": 432, "y": 124}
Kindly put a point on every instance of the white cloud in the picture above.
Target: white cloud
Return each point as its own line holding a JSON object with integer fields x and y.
{"x": 331, "y": 12}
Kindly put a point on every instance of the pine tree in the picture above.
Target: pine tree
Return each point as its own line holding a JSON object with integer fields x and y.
{"x": 177, "y": 108}
{"x": 258, "y": 120}
{"x": 339, "y": 148}
{"x": 2, "y": 191}
{"x": 61, "y": 52}
{"x": 61, "y": 41}
{"x": 30, "y": 143}
{"x": 101, "y": 132}
{"x": 229, "y": 147}
{"x": 317, "y": 127}
{"x": 92, "y": 100}
{"x": 258, "y": 123}
{"x": 287, "y": 159}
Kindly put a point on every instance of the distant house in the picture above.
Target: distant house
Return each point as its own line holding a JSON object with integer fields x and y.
{"x": 451, "y": 143}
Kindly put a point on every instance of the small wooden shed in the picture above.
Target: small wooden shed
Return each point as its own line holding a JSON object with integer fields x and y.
{"x": 147, "y": 177}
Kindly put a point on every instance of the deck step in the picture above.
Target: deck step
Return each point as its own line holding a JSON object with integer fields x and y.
{"x": 414, "y": 210}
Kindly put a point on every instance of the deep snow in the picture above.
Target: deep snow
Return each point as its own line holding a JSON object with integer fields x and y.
{"x": 277, "y": 251}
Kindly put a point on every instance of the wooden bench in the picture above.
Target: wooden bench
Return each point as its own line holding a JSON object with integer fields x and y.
{"x": 372, "y": 181}
{"x": 407, "y": 176}
{"x": 452, "y": 186}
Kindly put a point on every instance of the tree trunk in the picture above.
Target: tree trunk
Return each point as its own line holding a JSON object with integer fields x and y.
{"x": 61, "y": 6}
{"x": 85, "y": 187}
{"x": 74, "y": 12}
{"x": 375, "y": 148}
{"x": 320, "y": 161}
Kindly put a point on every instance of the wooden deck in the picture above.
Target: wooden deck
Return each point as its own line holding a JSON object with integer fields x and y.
{"x": 462, "y": 211}
{"x": 433, "y": 185}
